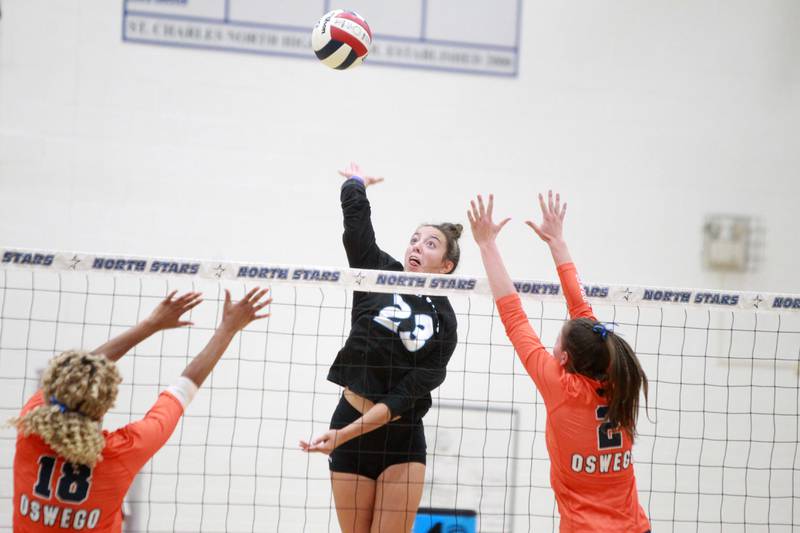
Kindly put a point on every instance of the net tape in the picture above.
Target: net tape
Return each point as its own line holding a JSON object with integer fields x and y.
{"x": 391, "y": 282}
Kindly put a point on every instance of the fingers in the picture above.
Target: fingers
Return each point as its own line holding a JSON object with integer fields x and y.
{"x": 310, "y": 448}
{"x": 541, "y": 204}
{"x": 252, "y": 298}
{"x": 563, "y": 211}
{"x": 537, "y": 229}
{"x": 188, "y": 301}
{"x": 480, "y": 215}
{"x": 550, "y": 200}
{"x": 188, "y": 296}
{"x": 185, "y": 323}
{"x": 191, "y": 305}
{"x": 263, "y": 304}
{"x": 326, "y": 438}
{"x": 258, "y": 295}
{"x": 324, "y": 443}
{"x": 249, "y": 295}
{"x": 558, "y": 204}
{"x": 311, "y": 445}
{"x": 170, "y": 295}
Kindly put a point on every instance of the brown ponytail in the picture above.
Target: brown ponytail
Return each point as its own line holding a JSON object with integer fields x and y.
{"x": 625, "y": 379}
{"x": 604, "y": 356}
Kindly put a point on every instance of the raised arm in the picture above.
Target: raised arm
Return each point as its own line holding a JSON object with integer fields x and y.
{"x": 166, "y": 315}
{"x": 543, "y": 369}
{"x": 359, "y": 237}
{"x": 235, "y": 316}
{"x": 141, "y": 439}
{"x": 485, "y": 231}
{"x": 551, "y": 231}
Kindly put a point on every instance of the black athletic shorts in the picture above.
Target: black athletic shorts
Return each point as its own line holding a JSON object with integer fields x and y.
{"x": 401, "y": 441}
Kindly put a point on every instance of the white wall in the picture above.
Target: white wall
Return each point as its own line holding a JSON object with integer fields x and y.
{"x": 646, "y": 115}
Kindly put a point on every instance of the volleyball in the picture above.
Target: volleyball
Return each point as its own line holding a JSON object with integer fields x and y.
{"x": 341, "y": 39}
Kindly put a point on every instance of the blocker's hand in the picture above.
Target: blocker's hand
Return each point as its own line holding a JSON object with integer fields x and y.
{"x": 551, "y": 228}
{"x": 484, "y": 230}
{"x": 236, "y": 316}
{"x": 354, "y": 170}
{"x": 167, "y": 314}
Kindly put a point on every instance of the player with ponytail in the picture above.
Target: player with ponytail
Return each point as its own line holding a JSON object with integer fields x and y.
{"x": 596, "y": 351}
{"x": 590, "y": 386}
{"x": 395, "y": 355}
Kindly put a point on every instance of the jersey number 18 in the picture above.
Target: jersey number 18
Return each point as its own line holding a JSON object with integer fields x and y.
{"x": 73, "y": 484}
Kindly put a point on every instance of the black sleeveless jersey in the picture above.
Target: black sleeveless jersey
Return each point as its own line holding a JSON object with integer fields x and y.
{"x": 399, "y": 345}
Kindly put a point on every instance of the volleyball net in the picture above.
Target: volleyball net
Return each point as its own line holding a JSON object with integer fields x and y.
{"x": 717, "y": 450}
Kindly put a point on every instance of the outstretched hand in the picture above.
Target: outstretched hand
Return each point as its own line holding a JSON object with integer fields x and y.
{"x": 354, "y": 170}
{"x": 484, "y": 230}
{"x": 325, "y": 443}
{"x": 551, "y": 228}
{"x": 238, "y": 315}
{"x": 167, "y": 314}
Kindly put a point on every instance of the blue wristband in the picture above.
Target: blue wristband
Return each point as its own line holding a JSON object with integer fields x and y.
{"x": 358, "y": 179}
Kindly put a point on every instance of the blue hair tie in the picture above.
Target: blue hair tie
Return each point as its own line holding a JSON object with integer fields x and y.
{"x": 61, "y": 407}
{"x": 601, "y": 330}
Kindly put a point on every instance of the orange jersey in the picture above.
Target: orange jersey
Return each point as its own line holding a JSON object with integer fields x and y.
{"x": 50, "y": 494}
{"x": 591, "y": 468}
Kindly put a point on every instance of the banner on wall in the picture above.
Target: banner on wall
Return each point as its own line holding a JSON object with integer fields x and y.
{"x": 468, "y": 36}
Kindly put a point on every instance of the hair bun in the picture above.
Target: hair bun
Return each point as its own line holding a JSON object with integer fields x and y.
{"x": 455, "y": 229}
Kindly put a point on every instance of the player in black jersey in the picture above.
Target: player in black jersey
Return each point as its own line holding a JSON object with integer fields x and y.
{"x": 395, "y": 355}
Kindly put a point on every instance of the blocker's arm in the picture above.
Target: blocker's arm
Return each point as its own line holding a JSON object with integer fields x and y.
{"x": 166, "y": 315}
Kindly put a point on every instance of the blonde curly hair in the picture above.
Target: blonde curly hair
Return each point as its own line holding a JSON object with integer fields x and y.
{"x": 78, "y": 388}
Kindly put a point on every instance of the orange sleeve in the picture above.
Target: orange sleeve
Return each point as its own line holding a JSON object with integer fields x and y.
{"x": 541, "y": 366}
{"x": 33, "y": 402}
{"x": 573, "y": 291}
{"x": 137, "y": 442}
